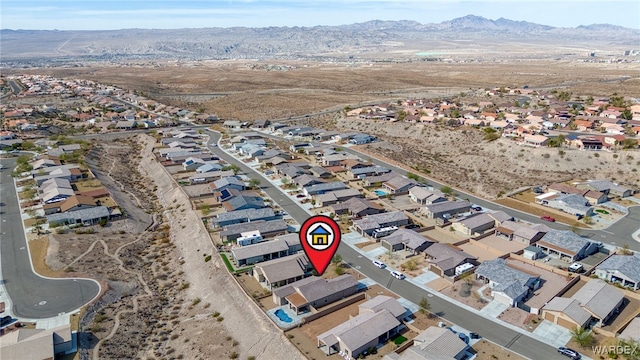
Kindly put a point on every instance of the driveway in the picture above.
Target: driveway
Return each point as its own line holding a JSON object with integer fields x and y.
{"x": 32, "y": 296}
{"x": 452, "y": 312}
{"x": 554, "y": 335}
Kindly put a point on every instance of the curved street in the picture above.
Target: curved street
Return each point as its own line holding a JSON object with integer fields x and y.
{"x": 32, "y": 296}
{"x": 502, "y": 335}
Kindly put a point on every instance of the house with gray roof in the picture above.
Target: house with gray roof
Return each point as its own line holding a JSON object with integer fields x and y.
{"x": 374, "y": 324}
{"x": 280, "y": 272}
{"x": 441, "y": 209}
{"x": 406, "y": 239}
{"x": 369, "y": 223}
{"x": 521, "y": 232}
{"x": 314, "y": 292}
{"x": 621, "y": 269}
{"x": 209, "y": 176}
{"x": 337, "y": 196}
{"x": 208, "y": 166}
{"x": 573, "y": 204}
{"x": 475, "y": 224}
{"x": 378, "y": 180}
{"x": 242, "y": 216}
{"x": 566, "y": 245}
{"x": 447, "y": 260}
{"x": 306, "y": 180}
{"x": 266, "y": 228}
{"x": 87, "y": 216}
{"x": 605, "y": 186}
{"x": 281, "y": 246}
{"x": 423, "y": 196}
{"x": 227, "y": 182}
{"x": 437, "y": 343}
{"x": 362, "y": 172}
{"x": 594, "y": 304}
{"x": 318, "y": 189}
{"x": 508, "y": 285}
{"x": 242, "y": 202}
{"x": 320, "y": 172}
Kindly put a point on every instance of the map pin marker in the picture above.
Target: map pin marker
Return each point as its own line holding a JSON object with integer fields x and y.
{"x": 320, "y": 238}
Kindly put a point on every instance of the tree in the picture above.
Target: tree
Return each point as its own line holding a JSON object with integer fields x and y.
{"x": 629, "y": 143}
{"x": 582, "y": 336}
{"x": 339, "y": 270}
{"x": 232, "y": 167}
{"x": 447, "y": 190}
{"x": 336, "y": 259}
{"x": 254, "y": 183}
{"x": 424, "y": 305}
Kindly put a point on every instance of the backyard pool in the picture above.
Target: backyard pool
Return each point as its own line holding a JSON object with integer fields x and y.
{"x": 380, "y": 192}
{"x": 283, "y": 316}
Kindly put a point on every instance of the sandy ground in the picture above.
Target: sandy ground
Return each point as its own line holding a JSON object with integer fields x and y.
{"x": 211, "y": 282}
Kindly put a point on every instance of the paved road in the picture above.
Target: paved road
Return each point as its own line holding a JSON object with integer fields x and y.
{"x": 32, "y": 296}
{"x": 618, "y": 234}
{"x": 495, "y": 332}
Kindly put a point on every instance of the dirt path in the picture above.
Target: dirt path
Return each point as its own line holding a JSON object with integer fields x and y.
{"x": 209, "y": 282}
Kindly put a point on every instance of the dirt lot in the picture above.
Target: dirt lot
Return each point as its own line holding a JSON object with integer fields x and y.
{"x": 466, "y": 293}
{"x": 487, "y": 350}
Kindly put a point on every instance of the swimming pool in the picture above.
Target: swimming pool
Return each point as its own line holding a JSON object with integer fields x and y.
{"x": 283, "y": 316}
{"x": 381, "y": 192}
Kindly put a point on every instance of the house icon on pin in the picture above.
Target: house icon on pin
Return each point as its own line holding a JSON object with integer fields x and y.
{"x": 320, "y": 236}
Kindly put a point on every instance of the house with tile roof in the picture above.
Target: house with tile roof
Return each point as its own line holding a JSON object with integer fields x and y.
{"x": 621, "y": 269}
{"x": 378, "y": 320}
{"x": 594, "y": 304}
{"x": 314, "y": 292}
{"x": 566, "y": 245}
{"x": 508, "y": 285}
{"x": 437, "y": 343}
{"x": 280, "y": 272}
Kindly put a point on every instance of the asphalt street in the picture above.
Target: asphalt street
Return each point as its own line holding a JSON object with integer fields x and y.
{"x": 32, "y": 296}
{"x": 504, "y": 336}
{"x": 618, "y": 234}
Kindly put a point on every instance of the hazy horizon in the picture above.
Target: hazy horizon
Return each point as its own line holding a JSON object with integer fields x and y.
{"x": 170, "y": 14}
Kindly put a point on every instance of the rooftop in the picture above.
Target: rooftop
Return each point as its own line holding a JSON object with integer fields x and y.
{"x": 448, "y": 206}
{"x": 262, "y": 248}
{"x": 565, "y": 239}
{"x": 264, "y": 227}
{"x": 375, "y": 221}
{"x": 598, "y": 297}
{"x": 627, "y": 265}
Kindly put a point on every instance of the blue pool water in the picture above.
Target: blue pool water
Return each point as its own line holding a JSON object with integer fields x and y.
{"x": 283, "y": 316}
{"x": 380, "y": 192}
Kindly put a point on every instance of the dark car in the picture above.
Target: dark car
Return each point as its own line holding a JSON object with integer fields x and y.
{"x": 5, "y": 320}
{"x": 569, "y": 353}
{"x": 412, "y": 226}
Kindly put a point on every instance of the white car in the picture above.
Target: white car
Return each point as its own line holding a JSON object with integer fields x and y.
{"x": 379, "y": 264}
{"x": 398, "y": 275}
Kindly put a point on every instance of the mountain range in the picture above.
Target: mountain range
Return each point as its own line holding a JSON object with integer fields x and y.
{"x": 371, "y": 37}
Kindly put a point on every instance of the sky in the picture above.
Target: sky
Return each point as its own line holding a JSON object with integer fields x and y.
{"x": 172, "y": 14}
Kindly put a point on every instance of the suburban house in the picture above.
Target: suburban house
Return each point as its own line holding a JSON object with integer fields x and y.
{"x": 368, "y": 224}
{"x": 378, "y": 180}
{"x": 566, "y": 245}
{"x": 209, "y": 176}
{"x": 398, "y": 185}
{"x": 320, "y": 172}
{"x": 438, "y": 343}
{"x": 535, "y": 140}
{"x": 621, "y": 269}
{"x": 322, "y": 188}
{"x": 450, "y": 208}
{"x": 377, "y": 321}
{"x": 406, "y": 239}
{"x": 25, "y": 343}
{"x": 242, "y": 202}
{"x": 281, "y": 246}
{"x": 607, "y": 187}
{"x": 243, "y": 216}
{"x": 449, "y": 260}
{"x": 229, "y": 182}
{"x": 573, "y": 204}
{"x": 363, "y": 172}
{"x": 337, "y": 196}
{"x": 521, "y": 232}
{"x": 266, "y": 228}
{"x": 305, "y": 180}
{"x": 475, "y": 224}
{"x": 424, "y": 196}
{"x": 315, "y": 292}
{"x": 508, "y": 286}
{"x": 593, "y": 305}
{"x": 87, "y": 216}
{"x": 357, "y": 207}
{"x": 280, "y": 272}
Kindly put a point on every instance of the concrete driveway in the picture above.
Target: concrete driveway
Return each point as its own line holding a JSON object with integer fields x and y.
{"x": 552, "y": 334}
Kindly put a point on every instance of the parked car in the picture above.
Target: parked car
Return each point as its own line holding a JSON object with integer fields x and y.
{"x": 547, "y": 218}
{"x": 379, "y": 264}
{"x": 412, "y": 226}
{"x": 476, "y": 208}
{"x": 5, "y": 320}
{"x": 576, "y": 267}
{"x": 398, "y": 275}
{"x": 569, "y": 353}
